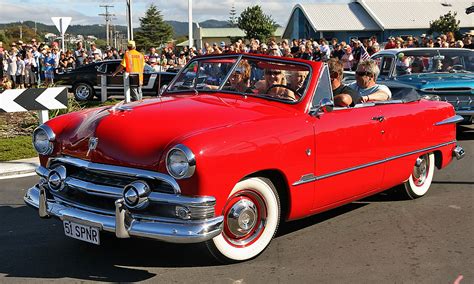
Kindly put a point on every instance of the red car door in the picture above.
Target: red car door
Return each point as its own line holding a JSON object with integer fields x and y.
{"x": 348, "y": 149}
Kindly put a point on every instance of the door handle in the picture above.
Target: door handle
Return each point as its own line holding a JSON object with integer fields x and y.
{"x": 379, "y": 118}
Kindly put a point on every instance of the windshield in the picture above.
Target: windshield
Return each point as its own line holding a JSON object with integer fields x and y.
{"x": 435, "y": 60}
{"x": 263, "y": 77}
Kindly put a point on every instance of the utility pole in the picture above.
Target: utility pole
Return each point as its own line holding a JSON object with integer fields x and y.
{"x": 190, "y": 23}
{"x": 21, "y": 30}
{"x": 129, "y": 20}
{"x": 108, "y": 18}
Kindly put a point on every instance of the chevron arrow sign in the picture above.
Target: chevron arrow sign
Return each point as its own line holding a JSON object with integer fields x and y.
{"x": 33, "y": 99}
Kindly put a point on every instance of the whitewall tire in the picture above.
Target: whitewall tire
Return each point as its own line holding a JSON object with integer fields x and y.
{"x": 251, "y": 219}
{"x": 420, "y": 180}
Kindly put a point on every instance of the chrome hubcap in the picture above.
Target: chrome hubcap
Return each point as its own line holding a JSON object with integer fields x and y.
{"x": 245, "y": 218}
{"x": 82, "y": 92}
{"x": 242, "y": 217}
{"x": 420, "y": 171}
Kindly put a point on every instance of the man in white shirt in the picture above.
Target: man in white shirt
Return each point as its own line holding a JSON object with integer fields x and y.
{"x": 94, "y": 50}
{"x": 325, "y": 50}
{"x": 365, "y": 84}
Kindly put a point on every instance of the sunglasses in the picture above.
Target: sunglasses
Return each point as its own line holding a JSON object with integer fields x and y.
{"x": 359, "y": 73}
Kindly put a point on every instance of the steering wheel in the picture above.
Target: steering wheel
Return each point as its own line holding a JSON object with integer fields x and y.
{"x": 296, "y": 94}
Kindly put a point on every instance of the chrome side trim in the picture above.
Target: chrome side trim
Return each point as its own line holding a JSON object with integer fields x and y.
{"x": 123, "y": 224}
{"x": 114, "y": 170}
{"x": 306, "y": 178}
{"x": 451, "y": 120}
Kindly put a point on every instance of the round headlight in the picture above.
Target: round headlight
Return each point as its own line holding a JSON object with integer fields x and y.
{"x": 43, "y": 138}
{"x": 180, "y": 162}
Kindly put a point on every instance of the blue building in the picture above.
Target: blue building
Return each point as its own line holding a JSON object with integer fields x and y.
{"x": 365, "y": 18}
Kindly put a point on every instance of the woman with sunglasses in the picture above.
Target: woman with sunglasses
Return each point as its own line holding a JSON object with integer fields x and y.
{"x": 273, "y": 84}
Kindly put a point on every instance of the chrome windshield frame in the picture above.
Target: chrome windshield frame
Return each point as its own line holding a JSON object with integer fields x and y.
{"x": 239, "y": 57}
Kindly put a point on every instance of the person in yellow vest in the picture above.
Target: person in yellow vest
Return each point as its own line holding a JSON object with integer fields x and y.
{"x": 133, "y": 62}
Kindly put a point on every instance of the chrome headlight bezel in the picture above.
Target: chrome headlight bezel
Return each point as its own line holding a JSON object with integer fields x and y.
{"x": 44, "y": 134}
{"x": 186, "y": 155}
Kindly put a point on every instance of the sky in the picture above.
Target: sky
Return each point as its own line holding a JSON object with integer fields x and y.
{"x": 86, "y": 11}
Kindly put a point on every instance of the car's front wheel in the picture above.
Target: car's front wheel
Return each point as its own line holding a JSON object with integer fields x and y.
{"x": 83, "y": 92}
{"x": 420, "y": 179}
{"x": 251, "y": 219}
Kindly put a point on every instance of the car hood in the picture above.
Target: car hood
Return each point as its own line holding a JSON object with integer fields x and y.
{"x": 438, "y": 80}
{"x": 138, "y": 134}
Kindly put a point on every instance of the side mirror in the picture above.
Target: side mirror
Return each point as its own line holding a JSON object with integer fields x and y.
{"x": 162, "y": 89}
{"x": 325, "y": 106}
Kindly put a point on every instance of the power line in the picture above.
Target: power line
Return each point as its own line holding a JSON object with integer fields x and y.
{"x": 108, "y": 18}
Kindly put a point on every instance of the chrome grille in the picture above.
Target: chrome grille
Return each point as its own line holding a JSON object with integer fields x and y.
{"x": 460, "y": 103}
{"x": 106, "y": 179}
{"x": 98, "y": 186}
{"x": 462, "y": 98}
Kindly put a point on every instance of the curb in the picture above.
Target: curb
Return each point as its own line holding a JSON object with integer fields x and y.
{"x": 18, "y": 167}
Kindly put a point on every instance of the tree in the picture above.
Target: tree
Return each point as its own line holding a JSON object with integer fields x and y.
{"x": 232, "y": 18}
{"x": 16, "y": 32}
{"x": 445, "y": 23}
{"x": 153, "y": 30}
{"x": 256, "y": 24}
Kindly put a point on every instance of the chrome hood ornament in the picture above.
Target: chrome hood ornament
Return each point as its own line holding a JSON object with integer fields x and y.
{"x": 93, "y": 142}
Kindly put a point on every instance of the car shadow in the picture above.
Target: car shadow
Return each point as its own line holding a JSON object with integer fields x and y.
{"x": 390, "y": 195}
{"x": 464, "y": 132}
{"x": 31, "y": 247}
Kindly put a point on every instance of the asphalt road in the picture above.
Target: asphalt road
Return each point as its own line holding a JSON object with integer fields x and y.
{"x": 382, "y": 239}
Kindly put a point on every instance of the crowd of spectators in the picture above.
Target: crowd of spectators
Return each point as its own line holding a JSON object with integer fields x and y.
{"x": 27, "y": 64}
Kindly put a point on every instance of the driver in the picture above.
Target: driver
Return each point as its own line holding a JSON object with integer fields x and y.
{"x": 274, "y": 85}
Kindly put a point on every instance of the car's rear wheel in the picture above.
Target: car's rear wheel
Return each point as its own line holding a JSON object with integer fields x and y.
{"x": 420, "y": 179}
{"x": 251, "y": 218}
{"x": 83, "y": 92}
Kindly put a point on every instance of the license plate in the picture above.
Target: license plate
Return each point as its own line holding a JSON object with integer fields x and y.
{"x": 81, "y": 232}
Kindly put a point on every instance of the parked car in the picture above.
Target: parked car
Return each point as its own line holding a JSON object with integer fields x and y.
{"x": 445, "y": 74}
{"x": 85, "y": 81}
{"x": 230, "y": 150}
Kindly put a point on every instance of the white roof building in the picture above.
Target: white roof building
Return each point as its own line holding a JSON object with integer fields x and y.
{"x": 363, "y": 18}
{"x": 415, "y": 14}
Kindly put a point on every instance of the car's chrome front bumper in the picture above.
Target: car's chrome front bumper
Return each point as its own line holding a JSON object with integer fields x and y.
{"x": 123, "y": 224}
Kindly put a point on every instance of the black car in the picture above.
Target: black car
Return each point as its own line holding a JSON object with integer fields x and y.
{"x": 85, "y": 81}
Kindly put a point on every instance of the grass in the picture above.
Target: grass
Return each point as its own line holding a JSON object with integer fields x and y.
{"x": 15, "y": 148}
{"x": 21, "y": 147}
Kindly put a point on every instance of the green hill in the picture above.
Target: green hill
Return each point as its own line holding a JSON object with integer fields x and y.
{"x": 179, "y": 28}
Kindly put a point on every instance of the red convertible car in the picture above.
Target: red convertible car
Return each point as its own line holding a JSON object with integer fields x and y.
{"x": 234, "y": 146}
